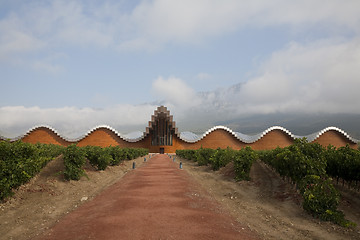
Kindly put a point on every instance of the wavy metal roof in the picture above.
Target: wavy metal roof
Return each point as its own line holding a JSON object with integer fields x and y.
{"x": 190, "y": 137}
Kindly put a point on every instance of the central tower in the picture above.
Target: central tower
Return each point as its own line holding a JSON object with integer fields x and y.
{"x": 161, "y": 128}
{"x": 162, "y": 131}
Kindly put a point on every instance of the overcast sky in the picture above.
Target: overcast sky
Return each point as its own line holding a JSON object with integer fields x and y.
{"x": 77, "y": 64}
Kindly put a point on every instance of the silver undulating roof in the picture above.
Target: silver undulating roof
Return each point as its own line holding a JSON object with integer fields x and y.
{"x": 314, "y": 136}
{"x": 192, "y": 138}
{"x": 189, "y": 137}
{"x": 35, "y": 128}
{"x": 131, "y": 137}
{"x": 240, "y": 136}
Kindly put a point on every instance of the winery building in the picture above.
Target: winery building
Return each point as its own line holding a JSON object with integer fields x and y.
{"x": 162, "y": 136}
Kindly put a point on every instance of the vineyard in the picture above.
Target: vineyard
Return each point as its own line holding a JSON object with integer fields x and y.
{"x": 308, "y": 166}
{"x": 75, "y": 158}
{"x": 20, "y": 161}
{"x": 218, "y": 158}
{"x": 311, "y": 168}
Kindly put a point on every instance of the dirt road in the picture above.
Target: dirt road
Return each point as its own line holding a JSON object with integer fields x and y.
{"x": 155, "y": 201}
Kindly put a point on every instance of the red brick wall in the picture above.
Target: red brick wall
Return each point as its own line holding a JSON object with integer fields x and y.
{"x": 223, "y": 139}
{"x": 44, "y": 135}
{"x": 103, "y": 137}
{"x": 334, "y": 138}
{"x": 272, "y": 140}
{"x": 219, "y": 138}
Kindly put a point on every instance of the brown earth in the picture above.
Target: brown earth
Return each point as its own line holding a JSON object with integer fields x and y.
{"x": 271, "y": 207}
{"x": 266, "y": 205}
{"x": 39, "y": 204}
{"x": 156, "y": 201}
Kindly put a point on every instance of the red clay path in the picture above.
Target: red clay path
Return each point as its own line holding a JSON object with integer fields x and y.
{"x": 155, "y": 201}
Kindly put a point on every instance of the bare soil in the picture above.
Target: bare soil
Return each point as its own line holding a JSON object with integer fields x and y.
{"x": 270, "y": 206}
{"x": 156, "y": 201}
{"x": 266, "y": 205}
{"x": 39, "y": 204}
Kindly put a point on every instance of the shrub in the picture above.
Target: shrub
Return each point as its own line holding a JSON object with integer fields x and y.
{"x": 343, "y": 163}
{"x": 218, "y": 158}
{"x": 243, "y": 161}
{"x": 187, "y": 154}
{"x": 50, "y": 150}
{"x": 307, "y": 165}
{"x": 104, "y": 160}
{"x": 74, "y": 160}
{"x": 221, "y": 157}
{"x": 19, "y": 162}
{"x": 348, "y": 163}
{"x": 319, "y": 194}
{"x": 269, "y": 156}
{"x": 117, "y": 155}
{"x": 297, "y": 160}
{"x": 132, "y": 153}
{"x": 98, "y": 157}
{"x": 203, "y": 156}
{"x": 321, "y": 199}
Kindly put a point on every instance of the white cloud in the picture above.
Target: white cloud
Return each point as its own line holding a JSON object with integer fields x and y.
{"x": 203, "y": 76}
{"x": 174, "y": 91}
{"x": 319, "y": 76}
{"x": 184, "y": 21}
{"x": 334, "y": 13}
{"x": 69, "y": 23}
{"x": 316, "y": 77}
{"x": 49, "y": 64}
{"x": 151, "y": 24}
{"x": 15, "y": 40}
{"x": 162, "y": 21}
{"x": 48, "y": 67}
{"x": 73, "y": 122}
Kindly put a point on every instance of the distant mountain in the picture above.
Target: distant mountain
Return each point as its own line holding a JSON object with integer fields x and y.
{"x": 230, "y": 107}
{"x": 299, "y": 124}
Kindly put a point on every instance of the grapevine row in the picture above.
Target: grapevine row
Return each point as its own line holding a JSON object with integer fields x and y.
{"x": 20, "y": 161}
{"x": 309, "y": 166}
{"x": 217, "y": 158}
{"x": 75, "y": 158}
